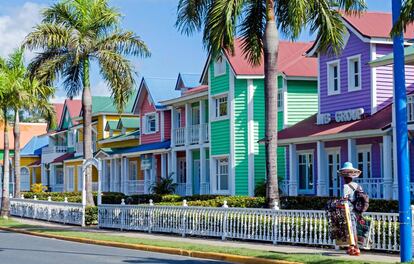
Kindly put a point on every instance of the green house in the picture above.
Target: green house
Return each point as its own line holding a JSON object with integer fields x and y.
{"x": 237, "y": 113}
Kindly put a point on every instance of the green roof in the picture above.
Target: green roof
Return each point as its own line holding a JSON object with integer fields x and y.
{"x": 128, "y": 122}
{"x": 388, "y": 59}
{"x": 133, "y": 133}
{"x": 111, "y": 125}
{"x": 105, "y": 104}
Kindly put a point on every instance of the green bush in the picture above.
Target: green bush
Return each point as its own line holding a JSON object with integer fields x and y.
{"x": 91, "y": 215}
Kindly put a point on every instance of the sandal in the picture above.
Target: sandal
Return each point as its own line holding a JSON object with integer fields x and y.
{"x": 353, "y": 251}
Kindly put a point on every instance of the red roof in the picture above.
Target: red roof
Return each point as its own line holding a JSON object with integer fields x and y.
{"x": 35, "y": 164}
{"x": 291, "y": 60}
{"x": 309, "y": 128}
{"x": 74, "y": 107}
{"x": 64, "y": 157}
{"x": 58, "y": 109}
{"x": 375, "y": 24}
{"x": 199, "y": 89}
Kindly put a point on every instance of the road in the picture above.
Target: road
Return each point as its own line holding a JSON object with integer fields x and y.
{"x": 19, "y": 248}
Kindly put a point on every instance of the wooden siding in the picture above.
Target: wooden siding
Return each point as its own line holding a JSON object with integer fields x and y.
{"x": 121, "y": 144}
{"x": 219, "y": 84}
{"x": 148, "y": 108}
{"x": 259, "y": 132}
{"x": 241, "y": 138}
{"x": 302, "y": 100}
{"x": 167, "y": 124}
{"x": 220, "y": 142}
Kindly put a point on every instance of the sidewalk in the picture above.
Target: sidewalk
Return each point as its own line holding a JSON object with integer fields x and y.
{"x": 365, "y": 256}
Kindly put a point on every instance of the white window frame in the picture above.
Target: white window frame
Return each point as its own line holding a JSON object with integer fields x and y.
{"x": 132, "y": 164}
{"x": 330, "y": 82}
{"x": 365, "y": 149}
{"x": 306, "y": 153}
{"x": 217, "y": 175}
{"x": 280, "y": 100}
{"x": 220, "y": 66}
{"x": 155, "y": 115}
{"x": 216, "y": 108}
{"x": 351, "y": 73}
{"x": 70, "y": 183}
{"x": 21, "y": 177}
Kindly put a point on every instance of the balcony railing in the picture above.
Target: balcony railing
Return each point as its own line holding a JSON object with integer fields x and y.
{"x": 54, "y": 149}
{"x": 136, "y": 187}
{"x": 410, "y": 108}
{"x": 374, "y": 187}
{"x": 194, "y": 135}
{"x": 79, "y": 148}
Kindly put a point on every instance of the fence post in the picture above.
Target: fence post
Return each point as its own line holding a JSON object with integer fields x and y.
{"x": 150, "y": 215}
{"x": 49, "y": 213}
{"x": 184, "y": 218}
{"x": 224, "y": 220}
{"x": 121, "y": 214}
{"x": 274, "y": 226}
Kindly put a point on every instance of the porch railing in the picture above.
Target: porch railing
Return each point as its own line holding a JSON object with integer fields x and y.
{"x": 194, "y": 134}
{"x": 206, "y": 135}
{"x": 60, "y": 212}
{"x": 277, "y": 226}
{"x": 179, "y": 136}
{"x": 136, "y": 187}
{"x": 54, "y": 149}
{"x": 374, "y": 187}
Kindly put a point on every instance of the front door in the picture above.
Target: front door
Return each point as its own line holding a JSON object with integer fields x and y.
{"x": 196, "y": 178}
{"x": 181, "y": 176}
{"x": 334, "y": 163}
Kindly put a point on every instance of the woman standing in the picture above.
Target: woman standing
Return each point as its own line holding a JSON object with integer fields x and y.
{"x": 348, "y": 172}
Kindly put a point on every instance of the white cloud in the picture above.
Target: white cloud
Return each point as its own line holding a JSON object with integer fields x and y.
{"x": 101, "y": 89}
{"x": 15, "y": 26}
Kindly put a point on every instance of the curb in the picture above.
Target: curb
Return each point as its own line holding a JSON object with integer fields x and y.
{"x": 165, "y": 250}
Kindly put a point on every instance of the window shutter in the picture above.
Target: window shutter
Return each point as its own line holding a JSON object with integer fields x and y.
{"x": 143, "y": 128}
{"x": 157, "y": 123}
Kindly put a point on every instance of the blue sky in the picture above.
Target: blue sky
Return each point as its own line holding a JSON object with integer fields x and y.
{"x": 153, "y": 20}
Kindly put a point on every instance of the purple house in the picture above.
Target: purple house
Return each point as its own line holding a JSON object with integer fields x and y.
{"x": 354, "y": 120}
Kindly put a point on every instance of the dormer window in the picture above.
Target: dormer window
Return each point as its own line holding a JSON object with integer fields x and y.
{"x": 334, "y": 80}
{"x": 219, "y": 66}
{"x": 150, "y": 123}
{"x": 354, "y": 73}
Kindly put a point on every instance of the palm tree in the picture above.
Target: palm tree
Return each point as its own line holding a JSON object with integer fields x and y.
{"x": 26, "y": 94}
{"x": 406, "y": 17}
{"x": 259, "y": 23}
{"x": 73, "y": 34}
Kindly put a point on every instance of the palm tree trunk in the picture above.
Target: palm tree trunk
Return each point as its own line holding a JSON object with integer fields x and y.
{"x": 270, "y": 47}
{"x": 16, "y": 132}
{"x": 87, "y": 129}
{"x": 5, "y": 202}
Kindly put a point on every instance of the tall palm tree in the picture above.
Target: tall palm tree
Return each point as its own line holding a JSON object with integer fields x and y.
{"x": 26, "y": 94}
{"x": 406, "y": 17}
{"x": 73, "y": 34}
{"x": 258, "y": 23}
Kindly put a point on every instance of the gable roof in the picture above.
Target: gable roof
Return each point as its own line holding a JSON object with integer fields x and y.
{"x": 370, "y": 26}
{"x": 59, "y": 111}
{"x": 187, "y": 80}
{"x": 105, "y": 104}
{"x": 111, "y": 125}
{"x": 291, "y": 61}
{"x": 128, "y": 122}
{"x": 35, "y": 145}
{"x": 73, "y": 107}
{"x": 27, "y": 131}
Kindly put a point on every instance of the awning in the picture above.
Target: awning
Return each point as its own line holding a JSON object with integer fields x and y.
{"x": 64, "y": 157}
{"x": 35, "y": 164}
{"x": 140, "y": 149}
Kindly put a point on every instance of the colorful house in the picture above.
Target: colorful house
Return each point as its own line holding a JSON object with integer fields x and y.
{"x": 354, "y": 120}
{"x": 236, "y": 113}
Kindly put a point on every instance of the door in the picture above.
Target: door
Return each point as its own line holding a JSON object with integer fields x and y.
{"x": 70, "y": 183}
{"x": 24, "y": 179}
{"x": 181, "y": 176}
{"x": 196, "y": 178}
{"x": 334, "y": 164}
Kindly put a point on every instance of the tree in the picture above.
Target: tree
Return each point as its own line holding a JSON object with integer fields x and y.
{"x": 25, "y": 94}
{"x": 74, "y": 33}
{"x": 259, "y": 23}
{"x": 406, "y": 17}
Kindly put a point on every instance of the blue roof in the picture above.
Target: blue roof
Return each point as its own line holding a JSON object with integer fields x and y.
{"x": 190, "y": 80}
{"x": 161, "y": 89}
{"x": 140, "y": 148}
{"x": 35, "y": 145}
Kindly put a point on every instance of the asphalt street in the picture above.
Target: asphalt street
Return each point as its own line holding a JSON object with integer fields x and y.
{"x": 21, "y": 249}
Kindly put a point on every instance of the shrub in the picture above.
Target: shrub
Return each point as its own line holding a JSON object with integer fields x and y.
{"x": 164, "y": 186}
{"x": 91, "y": 215}
{"x": 38, "y": 188}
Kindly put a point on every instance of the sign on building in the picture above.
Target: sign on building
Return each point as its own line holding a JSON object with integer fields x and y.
{"x": 146, "y": 163}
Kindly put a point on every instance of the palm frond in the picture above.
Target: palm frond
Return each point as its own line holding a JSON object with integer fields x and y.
{"x": 117, "y": 72}
{"x": 47, "y": 66}
{"x": 352, "y": 6}
{"x": 220, "y": 25}
{"x": 61, "y": 13}
{"x": 126, "y": 43}
{"x": 291, "y": 16}
{"x": 406, "y": 18}
{"x": 191, "y": 15}
{"x": 49, "y": 36}
{"x": 252, "y": 30}
{"x": 73, "y": 73}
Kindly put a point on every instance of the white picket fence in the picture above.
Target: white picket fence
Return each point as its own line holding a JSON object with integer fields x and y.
{"x": 277, "y": 226}
{"x": 60, "y": 212}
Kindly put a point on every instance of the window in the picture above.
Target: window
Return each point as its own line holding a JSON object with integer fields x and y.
{"x": 364, "y": 162}
{"x": 70, "y": 172}
{"x": 334, "y": 81}
{"x": 221, "y": 107}
{"x": 222, "y": 174}
{"x": 195, "y": 115}
{"x": 354, "y": 73}
{"x": 178, "y": 118}
{"x": 133, "y": 170}
{"x": 25, "y": 179}
{"x": 280, "y": 100}
{"x": 305, "y": 172}
{"x": 80, "y": 178}
{"x": 59, "y": 176}
{"x": 151, "y": 123}
{"x": 219, "y": 66}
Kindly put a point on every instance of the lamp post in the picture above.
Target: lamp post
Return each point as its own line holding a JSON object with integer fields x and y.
{"x": 401, "y": 137}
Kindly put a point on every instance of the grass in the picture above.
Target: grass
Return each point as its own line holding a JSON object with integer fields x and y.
{"x": 302, "y": 258}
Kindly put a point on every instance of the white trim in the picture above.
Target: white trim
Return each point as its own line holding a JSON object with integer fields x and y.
{"x": 350, "y": 74}
{"x": 250, "y": 135}
{"x": 146, "y": 125}
{"x": 230, "y": 105}
{"x": 66, "y": 182}
{"x": 213, "y": 160}
{"x": 373, "y": 80}
{"x": 306, "y": 152}
{"x": 249, "y": 77}
{"x": 319, "y": 83}
{"x": 365, "y": 148}
{"x": 223, "y": 61}
{"x": 328, "y": 76}
{"x": 214, "y": 108}
{"x": 285, "y": 103}
{"x": 321, "y": 153}
{"x": 193, "y": 96}
{"x": 103, "y": 125}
